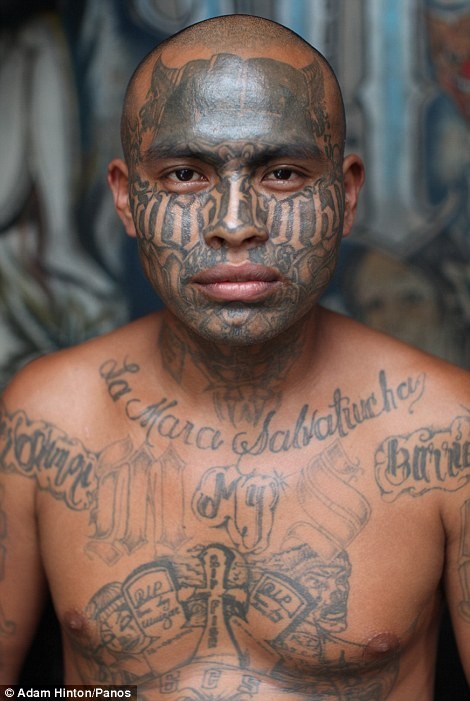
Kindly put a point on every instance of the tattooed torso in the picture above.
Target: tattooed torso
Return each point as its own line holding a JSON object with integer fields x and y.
{"x": 204, "y": 559}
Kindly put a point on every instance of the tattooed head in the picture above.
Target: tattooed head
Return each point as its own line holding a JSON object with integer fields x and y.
{"x": 235, "y": 183}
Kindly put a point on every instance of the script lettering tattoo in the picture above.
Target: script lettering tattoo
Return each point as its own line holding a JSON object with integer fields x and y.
{"x": 183, "y": 113}
{"x": 115, "y": 377}
{"x": 311, "y": 425}
{"x": 424, "y": 460}
{"x": 156, "y": 419}
{"x": 345, "y": 416}
{"x": 60, "y": 465}
{"x": 106, "y": 484}
{"x": 212, "y": 684}
{"x": 464, "y": 565}
{"x": 195, "y": 615}
{"x": 244, "y": 504}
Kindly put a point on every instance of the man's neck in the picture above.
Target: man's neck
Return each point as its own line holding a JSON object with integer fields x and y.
{"x": 242, "y": 382}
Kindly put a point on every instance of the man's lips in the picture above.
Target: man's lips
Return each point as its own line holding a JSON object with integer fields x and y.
{"x": 237, "y": 283}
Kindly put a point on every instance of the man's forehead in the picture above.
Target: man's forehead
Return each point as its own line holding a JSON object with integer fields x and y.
{"x": 227, "y": 70}
{"x": 228, "y": 91}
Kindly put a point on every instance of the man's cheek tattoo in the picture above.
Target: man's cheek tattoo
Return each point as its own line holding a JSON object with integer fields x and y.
{"x": 168, "y": 220}
{"x": 181, "y": 222}
{"x": 174, "y": 230}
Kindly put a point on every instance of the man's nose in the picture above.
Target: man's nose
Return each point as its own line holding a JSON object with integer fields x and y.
{"x": 238, "y": 216}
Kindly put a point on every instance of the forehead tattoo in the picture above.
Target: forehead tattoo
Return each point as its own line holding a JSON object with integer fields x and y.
{"x": 295, "y": 98}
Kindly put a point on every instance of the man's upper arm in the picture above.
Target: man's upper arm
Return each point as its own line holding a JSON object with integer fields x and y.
{"x": 21, "y": 575}
{"x": 457, "y": 574}
{"x": 451, "y": 454}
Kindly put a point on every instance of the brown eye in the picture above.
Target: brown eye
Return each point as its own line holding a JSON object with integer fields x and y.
{"x": 185, "y": 174}
{"x": 282, "y": 173}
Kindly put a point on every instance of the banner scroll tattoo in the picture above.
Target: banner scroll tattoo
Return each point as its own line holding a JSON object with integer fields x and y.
{"x": 424, "y": 460}
{"x": 337, "y": 512}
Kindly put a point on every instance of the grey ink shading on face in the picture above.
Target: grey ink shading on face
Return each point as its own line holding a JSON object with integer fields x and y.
{"x": 236, "y": 117}
{"x": 253, "y": 95}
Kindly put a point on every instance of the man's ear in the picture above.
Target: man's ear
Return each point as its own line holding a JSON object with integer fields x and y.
{"x": 118, "y": 181}
{"x": 353, "y": 178}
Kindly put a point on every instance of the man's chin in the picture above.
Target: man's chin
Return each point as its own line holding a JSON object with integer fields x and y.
{"x": 238, "y": 329}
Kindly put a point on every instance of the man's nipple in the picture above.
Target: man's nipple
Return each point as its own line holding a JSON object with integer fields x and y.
{"x": 75, "y": 623}
{"x": 382, "y": 645}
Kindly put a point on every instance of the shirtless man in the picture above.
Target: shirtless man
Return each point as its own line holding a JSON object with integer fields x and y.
{"x": 244, "y": 496}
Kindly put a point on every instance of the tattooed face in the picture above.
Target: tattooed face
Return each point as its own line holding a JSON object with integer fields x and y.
{"x": 329, "y": 586}
{"x": 236, "y": 192}
{"x": 118, "y": 628}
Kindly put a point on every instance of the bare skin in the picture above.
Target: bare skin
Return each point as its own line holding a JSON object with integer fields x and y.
{"x": 244, "y": 496}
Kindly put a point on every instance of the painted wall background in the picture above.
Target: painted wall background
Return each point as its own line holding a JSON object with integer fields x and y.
{"x": 67, "y": 272}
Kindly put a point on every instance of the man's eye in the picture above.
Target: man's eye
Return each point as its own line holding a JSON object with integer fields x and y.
{"x": 282, "y": 173}
{"x": 183, "y": 180}
{"x": 184, "y": 175}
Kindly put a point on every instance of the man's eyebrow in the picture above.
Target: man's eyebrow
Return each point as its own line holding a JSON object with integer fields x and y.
{"x": 159, "y": 152}
{"x": 263, "y": 153}
{"x": 297, "y": 151}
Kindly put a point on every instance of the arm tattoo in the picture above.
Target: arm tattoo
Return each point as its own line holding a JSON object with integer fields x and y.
{"x": 7, "y": 627}
{"x": 464, "y": 564}
{"x": 59, "y": 464}
{"x": 424, "y": 460}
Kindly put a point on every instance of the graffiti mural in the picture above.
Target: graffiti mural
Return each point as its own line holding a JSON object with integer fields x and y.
{"x": 67, "y": 272}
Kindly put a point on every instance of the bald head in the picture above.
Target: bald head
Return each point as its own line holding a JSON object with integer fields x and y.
{"x": 180, "y": 62}
{"x": 233, "y": 133}
{"x": 244, "y": 35}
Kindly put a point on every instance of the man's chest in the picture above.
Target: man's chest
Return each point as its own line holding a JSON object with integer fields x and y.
{"x": 277, "y": 566}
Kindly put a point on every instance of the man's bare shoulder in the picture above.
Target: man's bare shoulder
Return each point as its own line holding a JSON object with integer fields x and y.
{"x": 67, "y": 383}
{"x": 363, "y": 348}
